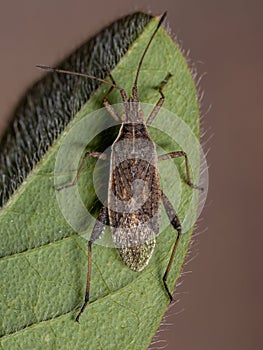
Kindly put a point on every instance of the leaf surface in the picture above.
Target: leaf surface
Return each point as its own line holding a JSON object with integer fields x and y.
{"x": 44, "y": 262}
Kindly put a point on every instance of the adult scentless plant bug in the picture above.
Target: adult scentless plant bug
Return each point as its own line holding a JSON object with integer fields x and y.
{"x": 132, "y": 209}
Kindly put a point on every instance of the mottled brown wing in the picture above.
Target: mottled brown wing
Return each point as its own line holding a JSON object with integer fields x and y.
{"x": 134, "y": 200}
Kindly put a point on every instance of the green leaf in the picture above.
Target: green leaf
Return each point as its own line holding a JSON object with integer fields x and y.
{"x": 43, "y": 265}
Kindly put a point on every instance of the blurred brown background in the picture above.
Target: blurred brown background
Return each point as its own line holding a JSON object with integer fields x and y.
{"x": 221, "y": 301}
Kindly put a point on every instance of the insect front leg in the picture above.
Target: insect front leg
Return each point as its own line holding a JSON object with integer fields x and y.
{"x": 96, "y": 233}
{"x": 160, "y": 101}
{"x": 177, "y": 154}
{"x": 107, "y": 105}
{"x": 174, "y": 220}
{"x": 97, "y": 155}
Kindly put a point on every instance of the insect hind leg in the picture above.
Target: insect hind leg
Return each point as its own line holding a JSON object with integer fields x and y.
{"x": 98, "y": 228}
{"x": 174, "y": 220}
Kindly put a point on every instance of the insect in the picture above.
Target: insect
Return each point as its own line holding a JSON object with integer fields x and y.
{"x": 134, "y": 199}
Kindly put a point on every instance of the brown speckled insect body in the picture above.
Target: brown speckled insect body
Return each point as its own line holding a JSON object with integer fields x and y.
{"x": 134, "y": 197}
{"x": 134, "y": 192}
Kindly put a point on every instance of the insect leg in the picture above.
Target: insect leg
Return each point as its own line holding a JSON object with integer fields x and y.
{"x": 160, "y": 101}
{"x": 176, "y": 224}
{"x": 181, "y": 154}
{"x": 96, "y": 232}
{"x": 98, "y": 155}
{"x": 106, "y": 103}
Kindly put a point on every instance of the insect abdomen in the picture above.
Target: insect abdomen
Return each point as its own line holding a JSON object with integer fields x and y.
{"x": 136, "y": 258}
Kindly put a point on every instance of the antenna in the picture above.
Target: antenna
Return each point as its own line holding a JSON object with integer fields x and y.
{"x": 144, "y": 53}
{"x": 113, "y": 85}
{"x": 56, "y": 70}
